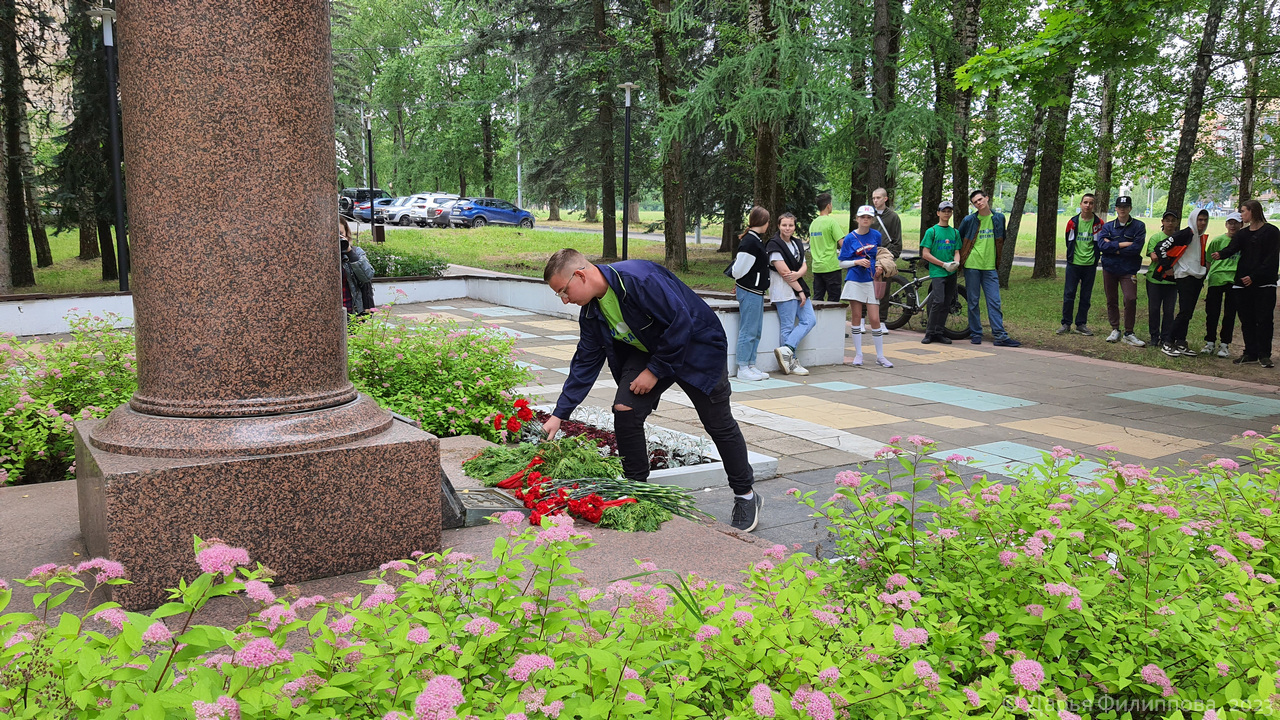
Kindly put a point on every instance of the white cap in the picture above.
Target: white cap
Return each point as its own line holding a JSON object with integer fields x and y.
{"x": 1235, "y": 216}
{"x": 867, "y": 210}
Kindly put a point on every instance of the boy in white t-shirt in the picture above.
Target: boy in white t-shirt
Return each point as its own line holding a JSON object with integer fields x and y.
{"x": 858, "y": 256}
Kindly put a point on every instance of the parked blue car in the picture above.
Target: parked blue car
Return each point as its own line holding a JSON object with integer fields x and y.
{"x": 362, "y": 210}
{"x": 478, "y": 212}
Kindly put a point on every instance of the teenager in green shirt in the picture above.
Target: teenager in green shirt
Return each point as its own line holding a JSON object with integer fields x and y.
{"x": 1162, "y": 293}
{"x": 824, "y": 238}
{"x": 1082, "y": 266}
{"x": 938, "y": 247}
{"x": 1222, "y": 273}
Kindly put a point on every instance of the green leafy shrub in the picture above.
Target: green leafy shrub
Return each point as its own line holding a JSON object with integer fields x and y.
{"x": 46, "y": 386}
{"x": 924, "y": 619}
{"x": 389, "y": 263}
{"x": 456, "y": 381}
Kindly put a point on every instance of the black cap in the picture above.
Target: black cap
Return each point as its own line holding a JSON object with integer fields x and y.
{"x": 1124, "y": 201}
{"x": 1169, "y": 214}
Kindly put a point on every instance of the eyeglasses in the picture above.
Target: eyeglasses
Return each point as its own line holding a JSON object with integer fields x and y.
{"x": 563, "y": 293}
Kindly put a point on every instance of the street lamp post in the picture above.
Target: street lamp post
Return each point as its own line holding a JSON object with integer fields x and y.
{"x": 626, "y": 167}
{"x": 113, "y": 108}
{"x": 376, "y": 230}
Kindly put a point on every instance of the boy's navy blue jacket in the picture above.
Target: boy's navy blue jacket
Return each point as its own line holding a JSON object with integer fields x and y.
{"x": 683, "y": 334}
{"x": 1115, "y": 259}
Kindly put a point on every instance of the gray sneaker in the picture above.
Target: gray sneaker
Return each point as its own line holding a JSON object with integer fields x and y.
{"x": 1133, "y": 340}
{"x": 1063, "y": 329}
{"x": 1084, "y": 330}
{"x": 1114, "y": 336}
{"x": 785, "y": 358}
{"x": 746, "y": 513}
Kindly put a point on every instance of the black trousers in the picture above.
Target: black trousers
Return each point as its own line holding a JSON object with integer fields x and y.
{"x": 713, "y": 411}
{"x": 1188, "y": 296}
{"x": 1219, "y": 298}
{"x": 1257, "y": 307}
{"x": 1081, "y": 276}
{"x": 942, "y": 292}
{"x": 1161, "y": 301}
{"x": 826, "y": 286}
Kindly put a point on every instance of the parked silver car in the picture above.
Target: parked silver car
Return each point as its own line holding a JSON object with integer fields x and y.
{"x": 433, "y": 211}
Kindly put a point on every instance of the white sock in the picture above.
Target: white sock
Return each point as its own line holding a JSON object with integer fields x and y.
{"x": 877, "y": 335}
{"x": 857, "y": 341}
{"x": 748, "y": 496}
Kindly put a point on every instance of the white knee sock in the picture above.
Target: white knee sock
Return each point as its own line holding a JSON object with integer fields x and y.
{"x": 877, "y": 336}
{"x": 857, "y": 341}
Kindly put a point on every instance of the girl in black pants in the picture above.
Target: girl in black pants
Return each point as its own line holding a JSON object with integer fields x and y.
{"x": 1258, "y": 244}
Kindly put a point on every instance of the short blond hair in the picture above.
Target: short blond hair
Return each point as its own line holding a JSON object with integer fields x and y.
{"x": 562, "y": 259}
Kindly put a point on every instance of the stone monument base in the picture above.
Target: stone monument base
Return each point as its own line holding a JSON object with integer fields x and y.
{"x": 307, "y": 514}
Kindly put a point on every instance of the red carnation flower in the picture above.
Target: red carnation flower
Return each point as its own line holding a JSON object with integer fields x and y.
{"x": 498, "y": 420}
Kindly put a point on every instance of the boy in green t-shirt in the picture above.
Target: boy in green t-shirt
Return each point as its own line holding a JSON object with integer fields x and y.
{"x": 939, "y": 247}
{"x": 824, "y": 238}
{"x": 1222, "y": 273}
{"x": 1162, "y": 293}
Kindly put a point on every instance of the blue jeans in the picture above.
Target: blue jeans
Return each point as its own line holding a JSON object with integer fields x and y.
{"x": 795, "y": 321}
{"x": 984, "y": 282}
{"x": 750, "y": 320}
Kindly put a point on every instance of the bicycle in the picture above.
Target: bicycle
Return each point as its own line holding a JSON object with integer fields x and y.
{"x": 903, "y": 300}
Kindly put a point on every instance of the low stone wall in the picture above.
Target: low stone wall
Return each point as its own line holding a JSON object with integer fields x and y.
{"x": 45, "y": 314}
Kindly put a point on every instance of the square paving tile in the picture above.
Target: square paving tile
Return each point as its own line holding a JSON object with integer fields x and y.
{"x": 529, "y": 366}
{"x": 824, "y": 412}
{"x": 837, "y": 386}
{"x": 1132, "y": 441}
{"x": 770, "y": 384}
{"x": 952, "y": 422}
{"x": 499, "y": 311}
{"x": 558, "y": 352}
{"x": 928, "y": 354}
{"x": 563, "y": 337}
{"x": 957, "y": 396}
{"x": 441, "y": 307}
{"x": 1213, "y": 402}
{"x": 552, "y": 325}
{"x": 509, "y": 332}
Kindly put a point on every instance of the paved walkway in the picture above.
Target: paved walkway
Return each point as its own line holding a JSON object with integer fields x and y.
{"x": 1001, "y": 406}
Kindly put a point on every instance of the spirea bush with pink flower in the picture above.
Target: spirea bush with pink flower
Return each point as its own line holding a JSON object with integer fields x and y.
{"x": 933, "y": 610}
{"x": 1137, "y": 587}
{"x": 46, "y": 386}
{"x": 454, "y": 380}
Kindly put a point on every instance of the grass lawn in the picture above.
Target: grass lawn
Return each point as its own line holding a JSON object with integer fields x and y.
{"x": 1032, "y": 308}
{"x": 910, "y": 228}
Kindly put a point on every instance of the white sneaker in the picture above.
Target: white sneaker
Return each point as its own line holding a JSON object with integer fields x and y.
{"x": 1224, "y": 350}
{"x": 1114, "y": 336}
{"x": 785, "y": 358}
{"x": 797, "y": 368}
{"x": 884, "y": 362}
{"x": 884, "y": 329}
{"x": 1133, "y": 340}
{"x": 1208, "y": 348}
{"x": 744, "y": 373}
{"x": 763, "y": 375}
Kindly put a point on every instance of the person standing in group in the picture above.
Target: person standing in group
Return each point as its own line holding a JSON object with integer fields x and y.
{"x": 1162, "y": 293}
{"x": 750, "y": 271}
{"x": 824, "y": 245}
{"x": 938, "y": 247}
{"x": 789, "y": 293}
{"x": 1120, "y": 244}
{"x": 982, "y": 241}
{"x": 887, "y": 222}
{"x": 858, "y": 255}
{"x": 1082, "y": 266}
{"x": 1219, "y": 298}
{"x": 1184, "y": 251}
{"x": 1258, "y": 244}
{"x": 653, "y": 331}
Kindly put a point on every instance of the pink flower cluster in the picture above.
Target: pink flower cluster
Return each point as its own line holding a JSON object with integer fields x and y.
{"x": 815, "y": 703}
{"x": 829, "y": 619}
{"x": 1226, "y": 464}
{"x": 706, "y": 632}
{"x": 906, "y": 637}
{"x": 106, "y": 569}
{"x": 114, "y": 617}
{"x": 439, "y": 699}
{"x": 481, "y": 626}
{"x": 777, "y": 552}
{"x": 260, "y": 591}
{"x": 762, "y": 700}
{"x": 830, "y": 676}
{"x": 926, "y": 675}
{"x": 382, "y": 595}
{"x": 742, "y": 617}
{"x": 989, "y": 641}
{"x": 156, "y": 634}
{"x": 261, "y": 652}
{"x": 308, "y": 683}
{"x": 1153, "y": 675}
{"x": 526, "y": 665}
{"x": 1251, "y": 541}
{"x": 418, "y": 635}
{"x": 1221, "y": 555}
{"x": 223, "y": 707}
{"x": 849, "y": 479}
{"x": 219, "y": 558}
{"x": 1028, "y": 673}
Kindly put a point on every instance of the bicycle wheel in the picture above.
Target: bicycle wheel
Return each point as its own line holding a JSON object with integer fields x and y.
{"x": 899, "y": 303}
{"x": 956, "y": 326}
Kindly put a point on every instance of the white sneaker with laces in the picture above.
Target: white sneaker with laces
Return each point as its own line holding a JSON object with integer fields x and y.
{"x": 884, "y": 362}
{"x": 747, "y": 374}
{"x": 1208, "y": 348}
{"x": 785, "y": 358}
{"x": 1114, "y": 336}
{"x": 1224, "y": 350}
{"x": 797, "y": 368}
{"x": 763, "y": 375}
{"x": 1133, "y": 340}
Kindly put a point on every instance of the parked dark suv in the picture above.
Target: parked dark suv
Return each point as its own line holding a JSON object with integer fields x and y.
{"x": 350, "y": 197}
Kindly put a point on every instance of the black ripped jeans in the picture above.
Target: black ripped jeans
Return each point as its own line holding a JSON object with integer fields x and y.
{"x": 713, "y": 411}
